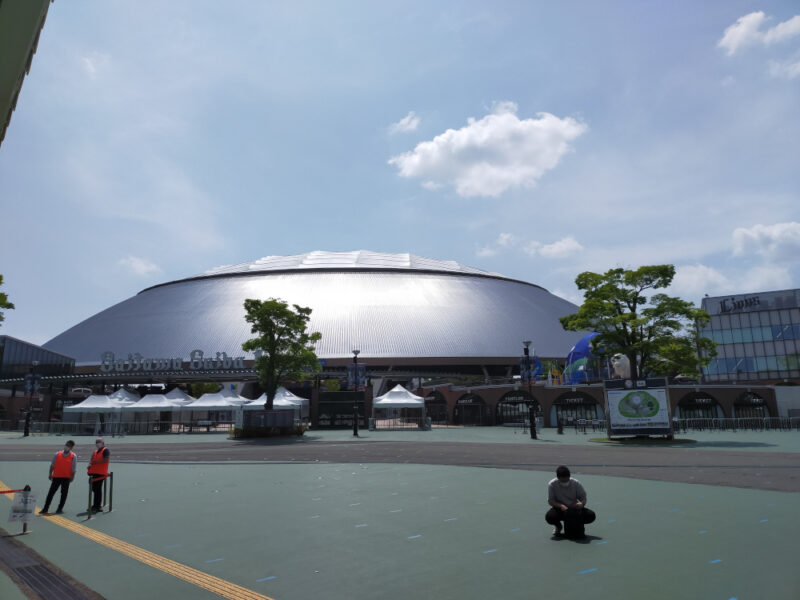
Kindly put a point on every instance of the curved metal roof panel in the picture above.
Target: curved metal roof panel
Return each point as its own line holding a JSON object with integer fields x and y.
{"x": 384, "y": 313}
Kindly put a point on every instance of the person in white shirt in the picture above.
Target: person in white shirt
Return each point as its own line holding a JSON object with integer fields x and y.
{"x": 567, "y": 500}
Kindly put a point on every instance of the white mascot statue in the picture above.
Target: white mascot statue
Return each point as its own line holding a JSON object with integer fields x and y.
{"x": 621, "y": 366}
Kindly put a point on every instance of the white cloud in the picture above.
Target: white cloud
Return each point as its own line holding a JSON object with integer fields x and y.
{"x": 747, "y": 32}
{"x": 575, "y": 296}
{"x": 779, "y": 242}
{"x": 563, "y": 248}
{"x": 94, "y": 62}
{"x": 408, "y": 123}
{"x": 490, "y": 155}
{"x": 503, "y": 241}
{"x": 765, "y": 277}
{"x": 744, "y": 32}
{"x": 139, "y": 265}
{"x": 784, "y": 70}
{"x": 692, "y": 281}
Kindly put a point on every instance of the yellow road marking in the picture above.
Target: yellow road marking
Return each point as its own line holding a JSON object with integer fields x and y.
{"x": 223, "y": 588}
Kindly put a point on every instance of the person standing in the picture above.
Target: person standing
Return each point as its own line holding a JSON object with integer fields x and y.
{"x": 62, "y": 472}
{"x": 567, "y": 500}
{"x": 98, "y": 469}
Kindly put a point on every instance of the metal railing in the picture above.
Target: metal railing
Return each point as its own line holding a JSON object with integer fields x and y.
{"x": 117, "y": 429}
{"x": 738, "y": 424}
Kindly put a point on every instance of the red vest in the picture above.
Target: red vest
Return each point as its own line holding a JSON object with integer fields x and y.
{"x": 63, "y": 467}
{"x": 95, "y": 467}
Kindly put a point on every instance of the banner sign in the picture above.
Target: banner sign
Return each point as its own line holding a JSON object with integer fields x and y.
{"x": 636, "y": 409}
{"x": 22, "y": 507}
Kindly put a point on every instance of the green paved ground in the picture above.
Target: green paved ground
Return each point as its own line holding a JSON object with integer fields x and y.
{"x": 751, "y": 441}
{"x": 394, "y": 531}
{"x": 8, "y": 589}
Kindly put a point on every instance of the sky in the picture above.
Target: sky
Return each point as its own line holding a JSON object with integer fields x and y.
{"x": 153, "y": 141}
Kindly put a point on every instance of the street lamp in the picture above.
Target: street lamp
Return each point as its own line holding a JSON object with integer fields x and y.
{"x": 532, "y": 411}
{"x": 356, "y": 352}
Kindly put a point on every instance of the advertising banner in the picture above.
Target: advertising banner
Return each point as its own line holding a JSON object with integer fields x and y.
{"x": 638, "y": 410}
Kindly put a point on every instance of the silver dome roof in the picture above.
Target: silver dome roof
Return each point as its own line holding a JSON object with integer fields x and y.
{"x": 390, "y": 306}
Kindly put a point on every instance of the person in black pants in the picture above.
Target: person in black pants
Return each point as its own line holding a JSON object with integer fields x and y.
{"x": 98, "y": 469}
{"x": 62, "y": 472}
{"x": 567, "y": 500}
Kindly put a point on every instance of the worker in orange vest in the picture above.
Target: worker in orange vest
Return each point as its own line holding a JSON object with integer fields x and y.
{"x": 98, "y": 467}
{"x": 62, "y": 472}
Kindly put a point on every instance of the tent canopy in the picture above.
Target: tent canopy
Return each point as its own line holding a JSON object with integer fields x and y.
{"x": 152, "y": 403}
{"x": 399, "y": 397}
{"x": 96, "y": 404}
{"x": 179, "y": 396}
{"x": 277, "y": 404}
{"x": 214, "y": 401}
{"x": 124, "y": 395}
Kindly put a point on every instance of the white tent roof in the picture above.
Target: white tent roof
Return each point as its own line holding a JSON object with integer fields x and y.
{"x": 285, "y": 394}
{"x": 277, "y": 404}
{"x": 233, "y": 397}
{"x": 96, "y": 404}
{"x": 154, "y": 402}
{"x": 399, "y": 397}
{"x": 125, "y": 395}
{"x": 214, "y": 401}
{"x": 179, "y": 396}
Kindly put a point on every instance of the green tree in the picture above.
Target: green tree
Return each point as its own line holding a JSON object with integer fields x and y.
{"x": 198, "y": 389}
{"x": 284, "y": 349}
{"x": 4, "y": 303}
{"x": 658, "y": 334}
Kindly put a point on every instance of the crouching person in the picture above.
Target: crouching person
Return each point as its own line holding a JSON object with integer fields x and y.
{"x": 567, "y": 499}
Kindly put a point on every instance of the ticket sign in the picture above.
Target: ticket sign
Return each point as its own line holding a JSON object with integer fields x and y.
{"x": 638, "y": 410}
{"x": 22, "y": 507}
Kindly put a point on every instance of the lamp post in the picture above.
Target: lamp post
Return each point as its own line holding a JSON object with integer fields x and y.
{"x": 356, "y": 352}
{"x": 532, "y": 411}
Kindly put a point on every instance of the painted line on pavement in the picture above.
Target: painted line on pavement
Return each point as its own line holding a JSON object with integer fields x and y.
{"x": 218, "y": 586}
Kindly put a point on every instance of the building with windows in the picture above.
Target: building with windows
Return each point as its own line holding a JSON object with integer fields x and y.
{"x": 757, "y": 336}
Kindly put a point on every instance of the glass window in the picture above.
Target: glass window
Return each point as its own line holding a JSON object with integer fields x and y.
{"x": 747, "y": 334}
{"x": 727, "y": 336}
{"x": 796, "y": 331}
{"x": 769, "y": 348}
{"x": 745, "y": 317}
{"x": 737, "y": 335}
{"x": 772, "y": 363}
{"x": 750, "y": 350}
{"x": 777, "y": 332}
{"x": 794, "y": 315}
{"x": 724, "y": 322}
{"x": 792, "y": 361}
{"x": 749, "y": 364}
{"x": 764, "y": 316}
{"x": 735, "y": 322}
{"x": 788, "y": 332}
{"x": 761, "y": 363}
{"x": 785, "y": 318}
{"x": 715, "y": 322}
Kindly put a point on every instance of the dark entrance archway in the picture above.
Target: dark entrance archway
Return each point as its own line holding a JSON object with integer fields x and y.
{"x": 698, "y": 405}
{"x": 470, "y": 409}
{"x": 750, "y": 406}
{"x": 436, "y": 408}
{"x": 573, "y": 406}
{"x": 515, "y": 408}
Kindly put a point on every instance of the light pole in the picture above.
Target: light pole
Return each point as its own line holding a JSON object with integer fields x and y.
{"x": 532, "y": 411}
{"x": 356, "y": 352}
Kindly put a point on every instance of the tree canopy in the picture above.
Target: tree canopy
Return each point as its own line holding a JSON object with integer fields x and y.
{"x": 4, "y": 303}
{"x": 658, "y": 334}
{"x": 284, "y": 349}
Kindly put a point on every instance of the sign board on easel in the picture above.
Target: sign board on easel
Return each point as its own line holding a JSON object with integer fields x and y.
{"x": 22, "y": 507}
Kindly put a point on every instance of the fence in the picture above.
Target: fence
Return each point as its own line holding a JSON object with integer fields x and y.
{"x": 118, "y": 429}
{"x": 738, "y": 424}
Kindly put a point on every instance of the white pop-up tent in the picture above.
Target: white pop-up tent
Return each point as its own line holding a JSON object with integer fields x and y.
{"x": 284, "y": 400}
{"x": 399, "y": 397}
{"x": 124, "y": 395}
{"x": 96, "y": 404}
{"x": 398, "y": 408}
{"x": 233, "y": 397}
{"x": 215, "y": 401}
{"x": 179, "y": 396}
{"x": 153, "y": 403}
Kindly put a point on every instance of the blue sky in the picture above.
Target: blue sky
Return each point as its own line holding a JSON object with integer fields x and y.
{"x": 155, "y": 140}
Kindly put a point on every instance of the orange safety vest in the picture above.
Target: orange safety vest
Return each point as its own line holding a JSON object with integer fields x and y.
{"x": 97, "y": 468}
{"x": 63, "y": 467}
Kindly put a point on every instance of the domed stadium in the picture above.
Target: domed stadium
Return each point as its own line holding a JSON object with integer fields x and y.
{"x": 401, "y": 311}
